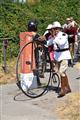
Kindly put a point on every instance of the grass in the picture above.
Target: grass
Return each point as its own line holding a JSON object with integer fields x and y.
{"x": 9, "y": 76}
{"x": 70, "y": 109}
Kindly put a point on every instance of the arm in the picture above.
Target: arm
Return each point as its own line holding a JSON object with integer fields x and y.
{"x": 50, "y": 42}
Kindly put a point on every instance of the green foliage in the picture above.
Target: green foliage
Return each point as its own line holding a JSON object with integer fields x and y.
{"x": 15, "y": 16}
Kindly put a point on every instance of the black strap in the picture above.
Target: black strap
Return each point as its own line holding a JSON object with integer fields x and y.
{"x": 62, "y": 50}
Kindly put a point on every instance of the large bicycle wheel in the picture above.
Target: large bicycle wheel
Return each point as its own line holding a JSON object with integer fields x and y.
{"x": 55, "y": 79}
{"x": 42, "y": 81}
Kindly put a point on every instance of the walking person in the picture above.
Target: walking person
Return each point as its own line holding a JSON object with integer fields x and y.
{"x": 33, "y": 28}
{"x": 71, "y": 29}
{"x": 48, "y": 34}
{"x": 27, "y": 57}
{"x": 61, "y": 56}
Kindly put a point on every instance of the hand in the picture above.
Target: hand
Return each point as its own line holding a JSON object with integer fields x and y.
{"x": 41, "y": 38}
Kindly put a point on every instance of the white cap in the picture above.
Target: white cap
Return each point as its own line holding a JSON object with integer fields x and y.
{"x": 56, "y": 24}
{"x": 50, "y": 26}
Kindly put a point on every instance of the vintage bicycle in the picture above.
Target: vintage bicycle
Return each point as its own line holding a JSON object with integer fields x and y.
{"x": 49, "y": 78}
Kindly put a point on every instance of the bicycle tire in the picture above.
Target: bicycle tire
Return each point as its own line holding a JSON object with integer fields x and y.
{"x": 40, "y": 90}
{"x": 55, "y": 80}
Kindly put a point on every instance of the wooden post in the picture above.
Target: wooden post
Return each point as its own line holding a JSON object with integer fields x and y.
{"x": 5, "y": 45}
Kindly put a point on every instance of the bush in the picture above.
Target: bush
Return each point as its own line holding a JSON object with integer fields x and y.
{"x": 14, "y": 17}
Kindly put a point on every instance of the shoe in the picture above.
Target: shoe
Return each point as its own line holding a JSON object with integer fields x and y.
{"x": 67, "y": 86}
{"x": 61, "y": 94}
{"x": 67, "y": 91}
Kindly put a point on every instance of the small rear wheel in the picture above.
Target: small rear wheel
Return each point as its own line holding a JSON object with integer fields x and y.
{"x": 55, "y": 79}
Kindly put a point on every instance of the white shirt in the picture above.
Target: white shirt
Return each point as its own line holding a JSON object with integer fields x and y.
{"x": 60, "y": 42}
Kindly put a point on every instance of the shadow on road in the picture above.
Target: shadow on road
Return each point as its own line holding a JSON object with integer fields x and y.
{"x": 20, "y": 96}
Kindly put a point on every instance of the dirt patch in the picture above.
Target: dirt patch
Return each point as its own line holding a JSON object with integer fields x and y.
{"x": 70, "y": 108}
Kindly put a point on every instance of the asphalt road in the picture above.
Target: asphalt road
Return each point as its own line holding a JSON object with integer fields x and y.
{"x": 14, "y": 105}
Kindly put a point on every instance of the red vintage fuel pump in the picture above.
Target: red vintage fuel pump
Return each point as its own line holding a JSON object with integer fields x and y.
{"x": 27, "y": 61}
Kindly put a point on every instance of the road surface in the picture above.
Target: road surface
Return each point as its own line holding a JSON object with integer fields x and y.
{"x": 14, "y": 105}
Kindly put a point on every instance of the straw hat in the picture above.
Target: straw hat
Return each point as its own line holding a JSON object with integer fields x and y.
{"x": 50, "y": 26}
{"x": 68, "y": 19}
{"x": 56, "y": 24}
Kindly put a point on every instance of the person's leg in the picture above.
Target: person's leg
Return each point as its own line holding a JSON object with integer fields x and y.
{"x": 65, "y": 88}
{"x": 36, "y": 73}
{"x": 62, "y": 91}
{"x": 75, "y": 52}
{"x": 70, "y": 60}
